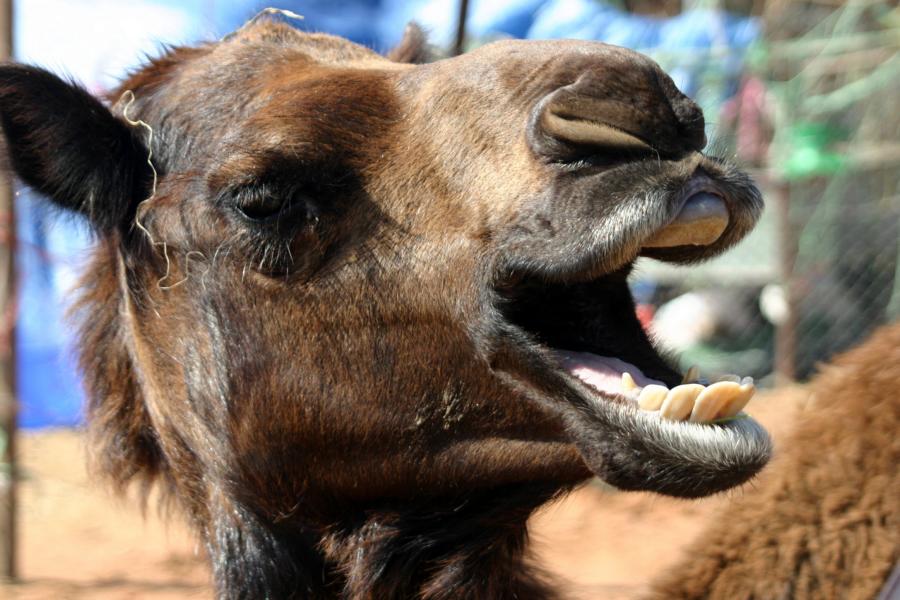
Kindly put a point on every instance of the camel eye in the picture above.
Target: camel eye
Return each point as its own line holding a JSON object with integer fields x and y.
{"x": 260, "y": 204}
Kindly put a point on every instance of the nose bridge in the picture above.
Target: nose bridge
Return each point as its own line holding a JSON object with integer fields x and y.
{"x": 691, "y": 123}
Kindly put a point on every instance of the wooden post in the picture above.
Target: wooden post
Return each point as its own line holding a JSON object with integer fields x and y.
{"x": 460, "y": 41}
{"x": 8, "y": 313}
{"x": 786, "y": 335}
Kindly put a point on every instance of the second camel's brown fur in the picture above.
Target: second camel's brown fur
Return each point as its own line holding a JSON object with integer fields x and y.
{"x": 825, "y": 522}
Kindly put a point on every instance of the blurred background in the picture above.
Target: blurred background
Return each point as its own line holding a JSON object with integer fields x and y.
{"x": 804, "y": 94}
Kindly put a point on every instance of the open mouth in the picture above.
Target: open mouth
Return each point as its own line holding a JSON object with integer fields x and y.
{"x": 700, "y": 220}
{"x": 586, "y": 330}
{"x": 643, "y": 425}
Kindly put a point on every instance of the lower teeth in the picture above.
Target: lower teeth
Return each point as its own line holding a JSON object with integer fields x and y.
{"x": 693, "y": 401}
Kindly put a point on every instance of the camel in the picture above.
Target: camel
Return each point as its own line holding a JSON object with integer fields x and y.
{"x": 359, "y": 317}
{"x": 824, "y": 521}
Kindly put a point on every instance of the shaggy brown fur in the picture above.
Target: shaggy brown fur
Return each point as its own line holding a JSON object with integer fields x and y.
{"x": 825, "y": 522}
{"x": 329, "y": 328}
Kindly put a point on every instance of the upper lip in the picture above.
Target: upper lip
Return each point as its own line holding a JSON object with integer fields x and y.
{"x": 700, "y": 182}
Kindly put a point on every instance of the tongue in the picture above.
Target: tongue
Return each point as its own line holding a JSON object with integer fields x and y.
{"x": 603, "y": 373}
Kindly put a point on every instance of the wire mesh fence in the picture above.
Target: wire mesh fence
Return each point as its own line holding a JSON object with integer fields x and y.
{"x": 815, "y": 117}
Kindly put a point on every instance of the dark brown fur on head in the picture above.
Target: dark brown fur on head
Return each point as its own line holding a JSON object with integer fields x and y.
{"x": 327, "y": 326}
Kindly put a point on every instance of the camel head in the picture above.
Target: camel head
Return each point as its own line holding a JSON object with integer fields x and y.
{"x": 327, "y": 280}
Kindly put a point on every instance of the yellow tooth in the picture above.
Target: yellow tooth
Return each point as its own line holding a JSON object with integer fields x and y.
{"x": 734, "y": 378}
{"x": 691, "y": 376}
{"x": 714, "y": 399}
{"x": 628, "y": 383}
{"x": 652, "y": 396}
{"x": 740, "y": 400}
{"x": 680, "y": 401}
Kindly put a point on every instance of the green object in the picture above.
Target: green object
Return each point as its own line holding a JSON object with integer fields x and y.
{"x": 808, "y": 152}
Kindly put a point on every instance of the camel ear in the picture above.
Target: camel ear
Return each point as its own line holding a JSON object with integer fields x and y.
{"x": 64, "y": 143}
{"x": 413, "y": 48}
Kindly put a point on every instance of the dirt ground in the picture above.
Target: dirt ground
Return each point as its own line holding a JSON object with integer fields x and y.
{"x": 77, "y": 542}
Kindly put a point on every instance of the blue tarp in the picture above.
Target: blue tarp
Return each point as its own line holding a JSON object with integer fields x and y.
{"x": 97, "y": 41}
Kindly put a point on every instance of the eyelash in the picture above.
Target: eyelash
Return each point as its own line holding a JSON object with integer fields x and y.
{"x": 259, "y": 202}
{"x": 260, "y": 209}
{"x": 273, "y": 207}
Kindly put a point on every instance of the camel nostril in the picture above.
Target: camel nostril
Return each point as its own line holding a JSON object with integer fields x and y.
{"x": 701, "y": 221}
{"x": 581, "y": 130}
{"x": 611, "y": 109}
{"x": 576, "y": 118}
